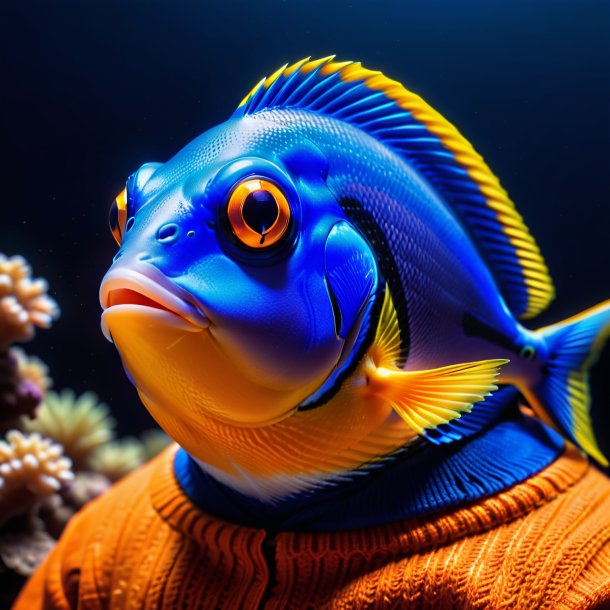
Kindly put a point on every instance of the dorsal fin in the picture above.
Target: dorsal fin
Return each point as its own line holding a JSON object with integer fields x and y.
{"x": 401, "y": 119}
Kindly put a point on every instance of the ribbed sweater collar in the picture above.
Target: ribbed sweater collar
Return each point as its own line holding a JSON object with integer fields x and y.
{"x": 400, "y": 537}
{"x": 432, "y": 482}
{"x": 421, "y": 482}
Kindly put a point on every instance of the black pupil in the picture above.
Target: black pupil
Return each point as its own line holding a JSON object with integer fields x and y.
{"x": 260, "y": 211}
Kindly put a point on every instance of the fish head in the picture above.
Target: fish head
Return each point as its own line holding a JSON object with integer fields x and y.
{"x": 239, "y": 287}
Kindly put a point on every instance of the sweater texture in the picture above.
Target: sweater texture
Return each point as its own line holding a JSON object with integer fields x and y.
{"x": 543, "y": 543}
{"x": 417, "y": 481}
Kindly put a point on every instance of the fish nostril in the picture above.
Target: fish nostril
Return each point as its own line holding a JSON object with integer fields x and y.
{"x": 168, "y": 233}
{"x": 143, "y": 257}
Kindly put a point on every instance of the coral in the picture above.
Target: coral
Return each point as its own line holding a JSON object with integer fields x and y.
{"x": 85, "y": 487}
{"x": 80, "y": 424}
{"x": 24, "y": 303}
{"x": 33, "y": 461}
{"x": 55, "y": 511}
{"x": 52, "y": 513}
{"x": 30, "y": 467}
{"x": 18, "y": 394}
{"x": 32, "y": 369}
{"x": 23, "y": 551}
{"x": 39, "y": 491}
{"x": 24, "y": 544}
{"x": 153, "y": 442}
{"x": 117, "y": 458}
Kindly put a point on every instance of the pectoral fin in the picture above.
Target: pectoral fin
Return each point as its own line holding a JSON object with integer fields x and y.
{"x": 427, "y": 399}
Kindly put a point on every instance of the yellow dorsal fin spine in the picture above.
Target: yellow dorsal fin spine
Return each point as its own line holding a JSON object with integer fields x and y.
{"x": 526, "y": 284}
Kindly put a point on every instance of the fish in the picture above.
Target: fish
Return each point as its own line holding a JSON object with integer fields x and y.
{"x": 331, "y": 276}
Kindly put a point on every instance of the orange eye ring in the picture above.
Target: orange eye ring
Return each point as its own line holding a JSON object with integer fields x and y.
{"x": 118, "y": 216}
{"x": 259, "y": 213}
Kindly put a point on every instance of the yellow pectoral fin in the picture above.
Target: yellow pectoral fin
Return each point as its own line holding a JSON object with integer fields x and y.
{"x": 427, "y": 399}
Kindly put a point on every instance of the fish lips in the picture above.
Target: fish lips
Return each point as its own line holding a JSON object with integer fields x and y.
{"x": 147, "y": 289}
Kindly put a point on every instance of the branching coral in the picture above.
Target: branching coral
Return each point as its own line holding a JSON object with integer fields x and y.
{"x": 39, "y": 491}
{"x": 33, "y": 461}
{"x": 114, "y": 460}
{"x": 81, "y": 424}
{"x": 30, "y": 467}
{"x": 24, "y": 303}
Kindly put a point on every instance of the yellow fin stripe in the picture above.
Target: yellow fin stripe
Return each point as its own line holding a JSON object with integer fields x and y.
{"x": 310, "y": 66}
{"x": 496, "y": 196}
{"x": 252, "y": 92}
{"x": 271, "y": 79}
{"x": 540, "y": 290}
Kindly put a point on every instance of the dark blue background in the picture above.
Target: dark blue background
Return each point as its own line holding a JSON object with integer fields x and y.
{"x": 90, "y": 90}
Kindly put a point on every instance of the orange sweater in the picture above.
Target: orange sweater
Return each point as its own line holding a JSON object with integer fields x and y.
{"x": 544, "y": 543}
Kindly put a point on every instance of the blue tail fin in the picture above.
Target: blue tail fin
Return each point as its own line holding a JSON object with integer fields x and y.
{"x": 562, "y": 394}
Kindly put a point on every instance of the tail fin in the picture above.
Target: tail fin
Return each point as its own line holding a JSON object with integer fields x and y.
{"x": 573, "y": 345}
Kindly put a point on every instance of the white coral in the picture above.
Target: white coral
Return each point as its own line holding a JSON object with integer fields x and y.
{"x": 24, "y": 302}
{"x": 32, "y": 462}
{"x": 81, "y": 424}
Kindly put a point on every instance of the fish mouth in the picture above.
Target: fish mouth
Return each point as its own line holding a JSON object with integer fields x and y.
{"x": 146, "y": 287}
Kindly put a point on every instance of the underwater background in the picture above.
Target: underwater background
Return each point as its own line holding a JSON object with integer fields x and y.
{"x": 91, "y": 90}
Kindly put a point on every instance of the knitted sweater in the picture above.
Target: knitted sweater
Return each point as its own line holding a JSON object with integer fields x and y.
{"x": 544, "y": 543}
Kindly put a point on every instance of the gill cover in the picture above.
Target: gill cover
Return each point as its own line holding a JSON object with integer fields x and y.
{"x": 352, "y": 280}
{"x": 351, "y": 274}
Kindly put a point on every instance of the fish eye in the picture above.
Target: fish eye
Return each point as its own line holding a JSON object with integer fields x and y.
{"x": 258, "y": 213}
{"x": 528, "y": 352}
{"x": 117, "y": 217}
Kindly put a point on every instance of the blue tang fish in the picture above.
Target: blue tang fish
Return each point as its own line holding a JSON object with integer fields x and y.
{"x": 330, "y": 276}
